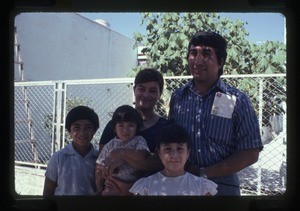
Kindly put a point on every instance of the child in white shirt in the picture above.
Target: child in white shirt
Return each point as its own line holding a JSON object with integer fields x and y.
{"x": 173, "y": 148}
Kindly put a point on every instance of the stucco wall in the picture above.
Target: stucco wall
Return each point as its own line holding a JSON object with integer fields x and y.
{"x": 66, "y": 46}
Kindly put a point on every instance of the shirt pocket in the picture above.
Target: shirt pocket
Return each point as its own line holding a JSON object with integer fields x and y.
{"x": 219, "y": 129}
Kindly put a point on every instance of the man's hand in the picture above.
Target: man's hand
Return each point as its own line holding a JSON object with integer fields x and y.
{"x": 111, "y": 167}
{"x": 115, "y": 187}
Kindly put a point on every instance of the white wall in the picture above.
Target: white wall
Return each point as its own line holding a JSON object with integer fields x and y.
{"x": 66, "y": 46}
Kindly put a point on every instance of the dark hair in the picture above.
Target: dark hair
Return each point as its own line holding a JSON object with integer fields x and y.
{"x": 82, "y": 112}
{"x": 126, "y": 113}
{"x": 149, "y": 75}
{"x": 172, "y": 133}
{"x": 211, "y": 39}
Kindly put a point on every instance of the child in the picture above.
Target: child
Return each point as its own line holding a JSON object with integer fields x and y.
{"x": 70, "y": 171}
{"x": 173, "y": 149}
{"x": 126, "y": 122}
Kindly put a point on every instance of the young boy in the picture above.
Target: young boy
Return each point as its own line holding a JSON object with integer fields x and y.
{"x": 126, "y": 122}
{"x": 173, "y": 149}
{"x": 70, "y": 171}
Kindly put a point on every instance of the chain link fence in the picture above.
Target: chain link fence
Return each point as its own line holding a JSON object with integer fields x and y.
{"x": 40, "y": 109}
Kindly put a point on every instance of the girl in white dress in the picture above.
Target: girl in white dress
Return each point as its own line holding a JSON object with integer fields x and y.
{"x": 173, "y": 149}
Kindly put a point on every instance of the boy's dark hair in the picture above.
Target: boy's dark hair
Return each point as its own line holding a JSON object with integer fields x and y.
{"x": 126, "y": 113}
{"x": 149, "y": 75}
{"x": 172, "y": 133}
{"x": 211, "y": 39}
{"x": 82, "y": 112}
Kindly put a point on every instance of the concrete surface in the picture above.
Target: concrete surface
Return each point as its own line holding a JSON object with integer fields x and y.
{"x": 29, "y": 181}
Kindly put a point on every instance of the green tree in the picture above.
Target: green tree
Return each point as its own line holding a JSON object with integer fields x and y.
{"x": 168, "y": 35}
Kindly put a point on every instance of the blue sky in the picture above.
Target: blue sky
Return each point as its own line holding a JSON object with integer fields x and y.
{"x": 261, "y": 26}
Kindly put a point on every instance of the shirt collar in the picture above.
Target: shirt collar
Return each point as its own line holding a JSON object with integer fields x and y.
{"x": 69, "y": 149}
{"x": 219, "y": 86}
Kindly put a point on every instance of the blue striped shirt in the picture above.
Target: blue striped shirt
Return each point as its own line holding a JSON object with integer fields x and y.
{"x": 215, "y": 137}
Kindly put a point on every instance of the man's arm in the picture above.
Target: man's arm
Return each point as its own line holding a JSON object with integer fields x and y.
{"x": 236, "y": 162}
{"x": 139, "y": 159}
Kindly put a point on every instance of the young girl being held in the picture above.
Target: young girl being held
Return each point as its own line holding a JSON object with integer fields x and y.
{"x": 126, "y": 122}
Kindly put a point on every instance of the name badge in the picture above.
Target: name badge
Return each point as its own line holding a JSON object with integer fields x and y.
{"x": 223, "y": 105}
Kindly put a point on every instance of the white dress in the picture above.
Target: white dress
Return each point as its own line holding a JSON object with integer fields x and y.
{"x": 185, "y": 185}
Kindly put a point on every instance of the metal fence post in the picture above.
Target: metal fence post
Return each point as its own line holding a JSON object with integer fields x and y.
{"x": 58, "y": 120}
